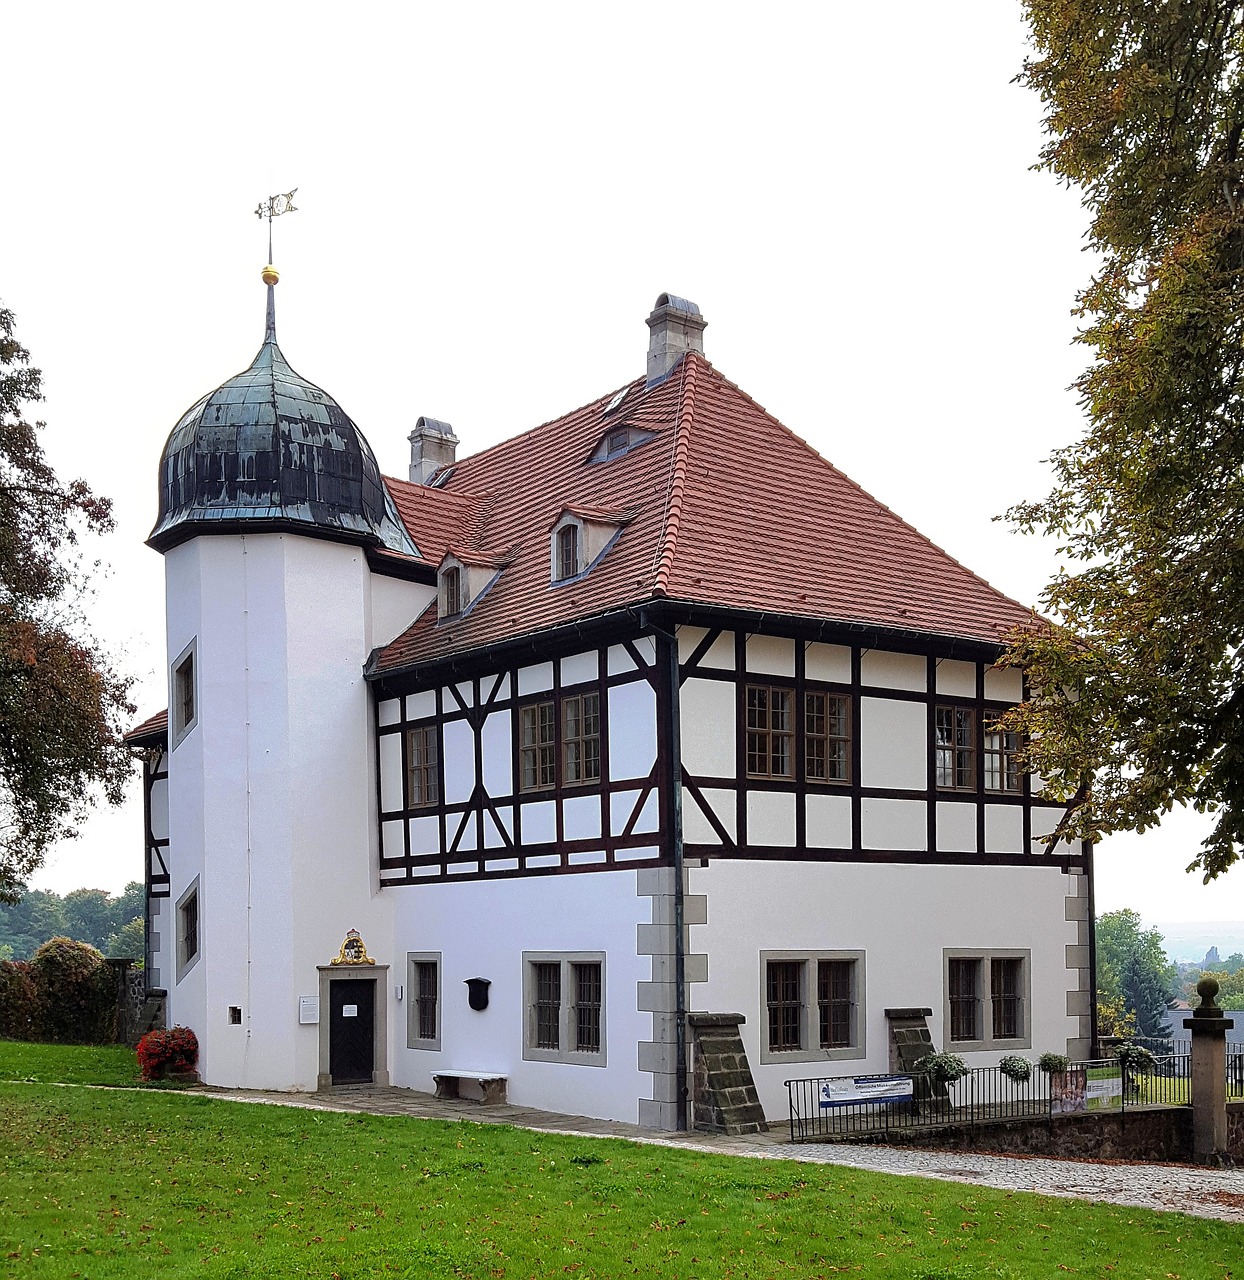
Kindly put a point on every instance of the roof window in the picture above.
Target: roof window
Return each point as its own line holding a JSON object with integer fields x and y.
{"x": 579, "y": 538}
{"x": 620, "y": 440}
{"x": 452, "y": 595}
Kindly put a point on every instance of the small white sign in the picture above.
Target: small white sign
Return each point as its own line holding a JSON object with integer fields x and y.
{"x": 308, "y": 1009}
{"x": 349, "y": 1011}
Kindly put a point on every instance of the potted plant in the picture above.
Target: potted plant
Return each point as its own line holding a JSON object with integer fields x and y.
{"x": 945, "y": 1068}
{"x": 1015, "y": 1068}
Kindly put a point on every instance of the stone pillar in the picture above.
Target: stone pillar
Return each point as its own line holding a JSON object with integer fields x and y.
{"x": 123, "y": 1019}
{"x": 909, "y": 1037}
{"x": 723, "y": 1094}
{"x": 1209, "y": 1030}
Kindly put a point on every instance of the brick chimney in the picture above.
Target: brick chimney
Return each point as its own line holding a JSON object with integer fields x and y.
{"x": 433, "y": 445}
{"x": 676, "y": 326}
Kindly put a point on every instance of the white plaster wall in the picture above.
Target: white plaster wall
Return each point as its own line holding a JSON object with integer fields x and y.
{"x": 893, "y": 824}
{"x": 770, "y": 655}
{"x": 707, "y": 715}
{"x": 957, "y": 679}
{"x": 719, "y": 654}
{"x": 901, "y": 917}
{"x": 1005, "y": 684}
{"x": 956, "y": 827}
{"x": 893, "y": 670}
{"x": 827, "y": 662}
{"x": 392, "y": 605}
{"x": 481, "y": 929}
{"x": 632, "y": 730}
{"x": 894, "y": 750}
{"x": 271, "y": 793}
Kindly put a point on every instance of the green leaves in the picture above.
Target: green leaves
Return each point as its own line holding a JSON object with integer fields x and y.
{"x": 1139, "y": 690}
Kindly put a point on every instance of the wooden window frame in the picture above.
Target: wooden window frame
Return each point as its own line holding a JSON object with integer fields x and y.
{"x": 841, "y": 742}
{"x": 1006, "y": 769}
{"x": 423, "y": 775}
{"x": 566, "y": 552}
{"x": 541, "y": 751}
{"x": 962, "y": 758}
{"x": 450, "y": 594}
{"x": 580, "y": 750}
{"x": 560, "y": 746}
{"x": 758, "y": 726}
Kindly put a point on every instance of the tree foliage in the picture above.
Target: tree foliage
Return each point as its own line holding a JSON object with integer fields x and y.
{"x": 1135, "y": 979}
{"x": 86, "y": 915}
{"x": 62, "y": 705}
{"x": 1139, "y": 687}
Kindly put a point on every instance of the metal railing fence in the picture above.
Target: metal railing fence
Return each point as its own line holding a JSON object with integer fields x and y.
{"x": 838, "y": 1107}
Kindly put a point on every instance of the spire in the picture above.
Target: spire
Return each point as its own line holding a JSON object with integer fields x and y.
{"x": 271, "y": 276}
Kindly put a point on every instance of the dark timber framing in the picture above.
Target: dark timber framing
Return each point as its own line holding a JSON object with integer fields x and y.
{"x": 485, "y": 669}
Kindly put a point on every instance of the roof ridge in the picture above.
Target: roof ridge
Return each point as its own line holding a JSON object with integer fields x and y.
{"x": 859, "y": 488}
{"x": 683, "y": 418}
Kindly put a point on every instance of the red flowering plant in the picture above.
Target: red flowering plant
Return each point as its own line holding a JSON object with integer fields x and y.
{"x": 171, "y": 1053}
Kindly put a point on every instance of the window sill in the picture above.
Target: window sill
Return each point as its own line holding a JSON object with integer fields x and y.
{"x": 567, "y": 1057}
{"x": 849, "y": 1053}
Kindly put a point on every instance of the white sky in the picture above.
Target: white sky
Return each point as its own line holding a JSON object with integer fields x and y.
{"x": 491, "y": 197}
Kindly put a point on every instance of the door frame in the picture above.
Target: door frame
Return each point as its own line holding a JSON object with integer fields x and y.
{"x": 378, "y": 973}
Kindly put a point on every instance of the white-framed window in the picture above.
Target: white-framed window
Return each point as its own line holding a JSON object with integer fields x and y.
{"x": 189, "y": 930}
{"x": 987, "y": 995}
{"x": 184, "y": 693}
{"x": 564, "y": 1004}
{"x": 812, "y": 1006}
{"x": 423, "y": 996}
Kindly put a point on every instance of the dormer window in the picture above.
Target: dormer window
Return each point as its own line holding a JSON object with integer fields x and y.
{"x": 616, "y": 442}
{"x": 451, "y": 592}
{"x": 567, "y": 551}
{"x": 620, "y": 440}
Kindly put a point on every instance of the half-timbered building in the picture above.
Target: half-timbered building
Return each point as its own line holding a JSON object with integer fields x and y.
{"x": 648, "y": 710}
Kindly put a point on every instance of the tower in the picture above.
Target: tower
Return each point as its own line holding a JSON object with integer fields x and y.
{"x": 271, "y": 503}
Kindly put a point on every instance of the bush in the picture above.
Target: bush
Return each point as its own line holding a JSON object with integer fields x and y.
{"x": 1015, "y": 1068}
{"x": 1054, "y": 1064}
{"x": 945, "y": 1067}
{"x": 19, "y": 1001}
{"x": 174, "y": 1052}
{"x": 76, "y": 992}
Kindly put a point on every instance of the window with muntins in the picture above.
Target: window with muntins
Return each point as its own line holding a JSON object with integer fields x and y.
{"x": 581, "y": 738}
{"x": 824, "y": 723}
{"x": 538, "y": 746}
{"x": 1000, "y": 749}
{"x": 770, "y": 732}
{"x": 423, "y": 771}
{"x": 453, "y": 598}
{"x": 955, "y": 740}
{"x": 827, "y": 737}
{"x": 567, "y": 551}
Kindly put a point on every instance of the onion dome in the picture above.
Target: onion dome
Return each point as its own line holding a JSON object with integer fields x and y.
{"x": 270, "y": 451}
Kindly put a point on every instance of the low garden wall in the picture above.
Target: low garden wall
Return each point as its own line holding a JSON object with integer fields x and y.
{"x": 1140, "y": 1133}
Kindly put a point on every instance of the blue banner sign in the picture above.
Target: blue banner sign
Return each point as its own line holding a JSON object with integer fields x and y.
{"x": 851, "y": 1091}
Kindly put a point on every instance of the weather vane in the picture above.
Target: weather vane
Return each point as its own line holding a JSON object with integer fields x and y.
{"x": 273, "y": 207}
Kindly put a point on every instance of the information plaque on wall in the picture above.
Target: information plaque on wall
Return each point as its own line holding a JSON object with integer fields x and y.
{"x": 308, "y": 1009}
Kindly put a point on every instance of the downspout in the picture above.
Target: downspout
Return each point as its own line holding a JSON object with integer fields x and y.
{"x": 1087, "y": 847}
{"x": 668, "y": 641}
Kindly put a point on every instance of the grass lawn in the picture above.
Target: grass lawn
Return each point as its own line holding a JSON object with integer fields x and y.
{"x": 68, "y": 1063}
{"x": 98, "y": 1184}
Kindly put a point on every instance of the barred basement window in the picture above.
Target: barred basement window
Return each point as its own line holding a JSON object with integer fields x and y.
{"x": 564, "y": 996}
{"x": 581, "y": 738}
{"x": 784, "y": 999}
{"x": 987, "y": 996}
{"x": 835, "y": 1004}
{"x": 770, "y": 732}
{"x": 422, "y": 767}
{"x": 1000, "y": 749}
{"x": 538, "y": 747}
{"x": 423, "y": 981}
{"x": 827, "y": 737}
{"x": 955, "y": 737}
{"x": 964, "y": 984}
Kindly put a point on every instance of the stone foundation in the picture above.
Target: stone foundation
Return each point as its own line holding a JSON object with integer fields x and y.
{"x": 723, "y": 1093}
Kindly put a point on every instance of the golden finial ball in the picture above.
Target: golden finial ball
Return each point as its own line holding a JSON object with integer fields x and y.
{"x": 270, "y": 274}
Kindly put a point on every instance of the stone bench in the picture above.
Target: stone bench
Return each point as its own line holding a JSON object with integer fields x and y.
{"x": 491, "y": 1084}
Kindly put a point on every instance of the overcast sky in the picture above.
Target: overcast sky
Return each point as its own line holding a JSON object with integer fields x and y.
{"x": 490, "y": 198}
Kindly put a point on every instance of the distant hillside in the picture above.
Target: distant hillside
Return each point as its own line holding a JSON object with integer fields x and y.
{"x": 1188, "y": 941}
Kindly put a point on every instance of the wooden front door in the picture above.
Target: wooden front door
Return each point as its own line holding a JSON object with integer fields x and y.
{"x": 351, "y": 1030}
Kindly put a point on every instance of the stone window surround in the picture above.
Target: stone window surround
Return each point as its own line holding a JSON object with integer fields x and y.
{"x": 813, "y": 1052}
{"x": 984, "y": 1008}
{"x": 184, "y": 963}
{"x": 567, "y": 959}
{"x": 179, "y": 730}
{"x": 413, "y": 1040}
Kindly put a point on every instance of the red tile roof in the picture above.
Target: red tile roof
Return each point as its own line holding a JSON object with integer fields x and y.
{"x": 153, "y": 728}
{"x": 727, "y": 508}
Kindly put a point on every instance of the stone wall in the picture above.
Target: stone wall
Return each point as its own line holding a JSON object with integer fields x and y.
{"x": 1141, "y": 1133}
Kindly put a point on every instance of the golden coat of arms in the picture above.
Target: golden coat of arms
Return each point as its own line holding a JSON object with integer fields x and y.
{"x": 353, "y": 950}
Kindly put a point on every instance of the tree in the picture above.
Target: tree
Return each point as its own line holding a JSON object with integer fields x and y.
{"x": 89, "y": 916}
{"x": 129, "y": 941}
{"x": 1135, "y": 980}
{"x": 62, "y": 705}
{"x": 1139, "y": 684}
